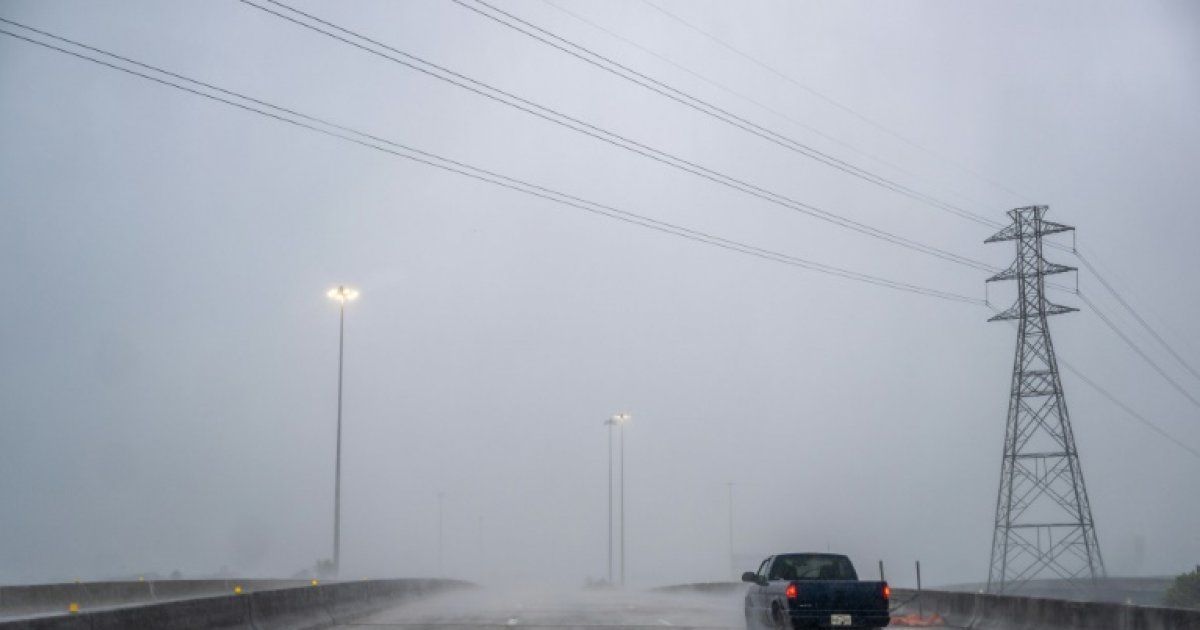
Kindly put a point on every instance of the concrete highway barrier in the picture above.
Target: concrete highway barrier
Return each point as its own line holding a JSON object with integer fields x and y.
{"x": 703, "y": 587}
{"x": 42, "y": 599}
{"x": 224, "y": 611}
{"x": 1007, "y": 612}
{"x": 292, "y": 607}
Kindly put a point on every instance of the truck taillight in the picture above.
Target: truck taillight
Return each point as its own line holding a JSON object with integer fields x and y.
{"x": 887, "y": 591}
{"x": 792, "y": 592}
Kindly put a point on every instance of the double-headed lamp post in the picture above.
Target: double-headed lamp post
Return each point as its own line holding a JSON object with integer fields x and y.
{"x": 341, "y": 295}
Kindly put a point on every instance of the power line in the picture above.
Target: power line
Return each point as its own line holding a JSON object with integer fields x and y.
{"x": 629, "y": 74}
{"x": 1114, "y": 400}
{"x": 1137, "y": 316}
{"x": 1128, "y": 307}
{"x": 967, "y": 214}
{"x": 557, "y": 117}
{"x": 835, "y": 103}
{"x": 430, "y": 159}
{"x": 1090, "y": 267}
{"x": 1082, "y": 259}
{"x": 970, "y": 216}
{"x": 1127, "y": 409}
{"x": 1112, "y": 325}
{"x": 763, "y": 106}
{"x": 1128, "y": 341}
{"x": 605, "y": 135}
{"x": 433, "y": 160}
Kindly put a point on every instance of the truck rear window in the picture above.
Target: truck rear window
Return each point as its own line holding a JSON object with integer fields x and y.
{"x": 812, "y": 567}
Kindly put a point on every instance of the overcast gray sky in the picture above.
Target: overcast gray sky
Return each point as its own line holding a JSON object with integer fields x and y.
{"x": 167, "y": 380}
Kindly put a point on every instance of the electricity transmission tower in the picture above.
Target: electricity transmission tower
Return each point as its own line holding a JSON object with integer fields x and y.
{"x": 1043, "y": 518}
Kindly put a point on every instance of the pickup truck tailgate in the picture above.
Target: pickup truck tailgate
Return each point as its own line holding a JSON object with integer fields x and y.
{"x": 833, "y": 596}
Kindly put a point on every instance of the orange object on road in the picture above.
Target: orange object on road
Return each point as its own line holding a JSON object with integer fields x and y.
{"x": 917, "y": 621}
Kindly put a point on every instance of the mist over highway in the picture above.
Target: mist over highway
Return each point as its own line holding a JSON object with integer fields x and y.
{"x": 541, "y": 607}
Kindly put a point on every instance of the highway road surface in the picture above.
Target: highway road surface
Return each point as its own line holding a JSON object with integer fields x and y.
{"x": 592, "y": 609}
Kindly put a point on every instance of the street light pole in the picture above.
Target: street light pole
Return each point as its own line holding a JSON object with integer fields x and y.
{"x": 337, "y": 475}
{"x": 441, "y": 535}
{"x": 341, "y": 295}
{"x": 732, "y": 562}
{"x": 611, "y": 422}
{"x": 619, "y": 420}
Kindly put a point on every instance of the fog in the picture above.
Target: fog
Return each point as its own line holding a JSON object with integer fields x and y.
{"x": 550, "y": 607}
{"x": 168, "y": 378}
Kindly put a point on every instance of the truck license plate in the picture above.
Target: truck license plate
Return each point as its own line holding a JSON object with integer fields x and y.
{"x": 840, "y": 620}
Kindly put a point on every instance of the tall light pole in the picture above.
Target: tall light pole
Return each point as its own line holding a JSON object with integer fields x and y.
{"x": 610, "y": 423}
{"x": 732, "y": 562}
{"x": 441, "y": 534}
{"x": 341, "y": 295}
{"x": 620, "y": 420}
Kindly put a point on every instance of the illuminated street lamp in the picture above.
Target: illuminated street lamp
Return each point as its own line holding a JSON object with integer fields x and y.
{"x": 341, "y": 295}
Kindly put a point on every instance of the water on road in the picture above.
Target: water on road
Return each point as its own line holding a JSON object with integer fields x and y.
{"x": 521, "y": 608}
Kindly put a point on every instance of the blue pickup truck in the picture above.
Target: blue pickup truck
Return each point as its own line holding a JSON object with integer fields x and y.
{"x": 813, "y": 590}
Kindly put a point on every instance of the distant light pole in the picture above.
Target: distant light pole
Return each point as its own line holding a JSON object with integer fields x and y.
{"x": 610, "y": 423}
{"x": 732, "y": 561}
{"x": 341, "y": 295}
{"x": 441, "y": 535}
{"x": 482, "y": 561}
{"x": 620, "y": 420}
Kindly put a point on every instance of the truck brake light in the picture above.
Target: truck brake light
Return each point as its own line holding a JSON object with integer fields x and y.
{"x": 792, "y": 592}
{"x": 887, "y": 591}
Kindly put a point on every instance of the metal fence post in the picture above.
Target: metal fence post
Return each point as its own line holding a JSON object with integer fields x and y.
{"x": 920, "y": 604}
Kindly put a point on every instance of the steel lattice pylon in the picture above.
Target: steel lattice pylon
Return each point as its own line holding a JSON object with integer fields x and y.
{"x": 1043, "y": 519}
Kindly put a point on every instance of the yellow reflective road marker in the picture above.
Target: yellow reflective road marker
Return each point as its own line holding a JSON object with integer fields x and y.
{"x": 237, "y": 590}
{"x": 73, "y": 607}
{"x": 314, "y": 582}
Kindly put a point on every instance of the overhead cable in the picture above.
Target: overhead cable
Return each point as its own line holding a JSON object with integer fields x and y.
{"x": 1129, "y": 410}
{"x": 1114, "y": 400}
{"x": 557, "y": 117}
{"x": 839, "y": 105}
{"x": 1136, "y": 348}
{"x": 351, "y": 135}
{"x": 765, "y": 107}
{"x": 348, "y": 134}
{"x": 1137, "y": 316}
{"x": 607, "y": 64}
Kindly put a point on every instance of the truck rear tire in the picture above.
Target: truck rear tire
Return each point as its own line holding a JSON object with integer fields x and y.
{"x": 779, "y": 619}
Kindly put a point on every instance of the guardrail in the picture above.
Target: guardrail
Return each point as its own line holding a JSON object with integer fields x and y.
{"x": 1010, "y": 612}
{"x": 296, "y": 607}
